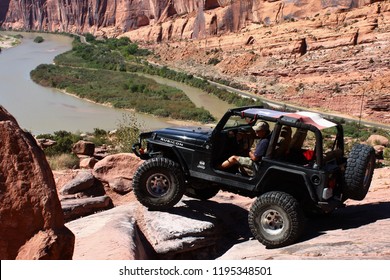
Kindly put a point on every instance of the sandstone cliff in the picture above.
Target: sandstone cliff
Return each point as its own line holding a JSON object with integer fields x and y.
{"x": 177, "y": 18}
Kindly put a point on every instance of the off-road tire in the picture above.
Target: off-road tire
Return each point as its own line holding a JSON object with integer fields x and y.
{"x": 158, "y": 183}
{"x": 276, "y": 219}
{"x": 202, "y": 193}
{"x": 359, "y": 171}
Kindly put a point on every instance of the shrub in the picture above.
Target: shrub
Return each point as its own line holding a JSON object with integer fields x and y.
{"x": 89, "y": 37}
{"x": 65, "y": 141}
{"x": 38, "y": 39}
{"x": 354, "y": 130}
{"x": 386, "y": 156}
{"x": 213, "y": 61}
{"x": 127, "y": 132}
{"x": 100, "y": 137}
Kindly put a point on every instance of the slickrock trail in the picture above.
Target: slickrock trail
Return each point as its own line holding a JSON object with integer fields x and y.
{"x": 218, "y": 229}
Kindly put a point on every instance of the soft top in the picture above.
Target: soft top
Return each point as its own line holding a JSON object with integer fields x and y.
{"x": 311, "y": 118}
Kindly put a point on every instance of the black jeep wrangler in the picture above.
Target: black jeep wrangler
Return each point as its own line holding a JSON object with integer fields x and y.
{"x": 304, "y": 171}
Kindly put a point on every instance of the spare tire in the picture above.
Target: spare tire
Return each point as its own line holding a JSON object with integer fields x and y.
{"x": 359, "y": 171}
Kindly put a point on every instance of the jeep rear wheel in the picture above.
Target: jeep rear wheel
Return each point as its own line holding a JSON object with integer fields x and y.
{"x": 276, "y": 219}
{"x": 359, "y": 171}
{"x": 158, "y": 183}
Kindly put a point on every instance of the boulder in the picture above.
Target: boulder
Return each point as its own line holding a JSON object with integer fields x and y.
{"x": 180, "y": 233}
{"x": 379, "y": 151}
{"x": 82, "y": 181}
{"x": 81, "y": 207}
{"x": 45, "y": 143}
{"x": 88, "y": 162}
{"x": 102, "y": 151}
{"x": 378, "y": 140}
{"x": 121, "y": 185}
{"x": 110, "y": 235}
{"x": 32, "y": 221}
{"x": 117, "y": 170}
{"x": 84, "y": 148}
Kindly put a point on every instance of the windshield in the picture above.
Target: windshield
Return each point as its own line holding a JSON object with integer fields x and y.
{"x": 237, "y": 121}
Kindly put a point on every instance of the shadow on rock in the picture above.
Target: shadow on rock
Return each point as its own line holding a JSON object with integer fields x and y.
{"x": 350, "y": 217}
{"x": 231, "y": 220}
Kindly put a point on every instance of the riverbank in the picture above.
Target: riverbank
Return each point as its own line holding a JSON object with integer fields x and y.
{"x": 7, "y": 41}
{"x": 174, "y": 122}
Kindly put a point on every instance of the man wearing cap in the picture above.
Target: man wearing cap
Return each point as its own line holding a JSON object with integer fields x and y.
{"x": 262, "y": 132}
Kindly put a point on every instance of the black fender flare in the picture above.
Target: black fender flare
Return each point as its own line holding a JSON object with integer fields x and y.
{"x": 181, "y": 161}
{"x": 176, "y": 152}
{"x": 260, "y": 187}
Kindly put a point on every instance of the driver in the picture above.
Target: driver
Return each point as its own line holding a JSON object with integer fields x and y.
{"x": 263, "y": 133}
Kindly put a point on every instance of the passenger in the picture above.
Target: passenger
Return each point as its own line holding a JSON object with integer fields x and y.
{"x": 283, "y": 144}
{"x": 262, "y": 132}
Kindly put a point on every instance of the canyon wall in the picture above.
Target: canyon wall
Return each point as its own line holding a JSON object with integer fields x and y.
{"x": 176, "y": 19}
{"x": 333, "y": 55}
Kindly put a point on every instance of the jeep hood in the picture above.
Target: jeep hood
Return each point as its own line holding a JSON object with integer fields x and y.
{"x": 186, "y": 134}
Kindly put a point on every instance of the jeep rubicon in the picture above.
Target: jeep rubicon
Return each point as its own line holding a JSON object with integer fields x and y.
{"x": 301, "y": 174}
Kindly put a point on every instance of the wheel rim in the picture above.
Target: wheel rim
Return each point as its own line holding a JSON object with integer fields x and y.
{"x": 272, "y": 222}
{"x": 158, "y": 184}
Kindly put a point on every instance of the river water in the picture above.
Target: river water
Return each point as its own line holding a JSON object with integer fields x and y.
{"x": 44, "y": 110}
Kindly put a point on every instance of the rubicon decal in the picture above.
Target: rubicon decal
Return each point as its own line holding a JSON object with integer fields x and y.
{"x": 170, "y": 141}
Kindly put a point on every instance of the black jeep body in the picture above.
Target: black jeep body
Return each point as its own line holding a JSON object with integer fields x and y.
{"x": 308, "y": 175}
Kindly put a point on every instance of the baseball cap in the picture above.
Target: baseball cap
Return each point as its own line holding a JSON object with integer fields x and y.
{"x": 260, "y": 126}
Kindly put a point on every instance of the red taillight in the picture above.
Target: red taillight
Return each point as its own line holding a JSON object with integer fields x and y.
{"x": 141, "y": 151}
{"x": 332, "y": 183}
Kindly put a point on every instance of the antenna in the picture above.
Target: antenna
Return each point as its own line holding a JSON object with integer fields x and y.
{"x": 361, "y": 105}
{"x": 361, "y": 108}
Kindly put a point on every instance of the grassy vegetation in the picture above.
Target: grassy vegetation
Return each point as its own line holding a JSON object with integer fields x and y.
{"x": 121, "y": 90}
{"x": 123, "y": 55}
{"x": 63, "y": 161}
{"x": 189, "y": 79}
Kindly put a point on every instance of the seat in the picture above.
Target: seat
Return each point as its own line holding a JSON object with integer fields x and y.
{"x": 283, "y": 144}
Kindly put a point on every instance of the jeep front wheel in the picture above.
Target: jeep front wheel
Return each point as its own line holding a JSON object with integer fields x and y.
{"x": 158, "y": 183}
{"x": 359, "y": 171}
{"x": 276, "y": 219}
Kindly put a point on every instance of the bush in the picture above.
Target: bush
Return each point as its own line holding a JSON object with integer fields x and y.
{"x": 386, "y": 156}
{"x": 89, "y": 37}
{"x": 354, "y": 130}
{"x": 127, "y": 132}
{"x": 38, "y": 39}
{"x": 213, "y": 61}
{"x": 65, "y": 141}
{"x": 100, "y": 137}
